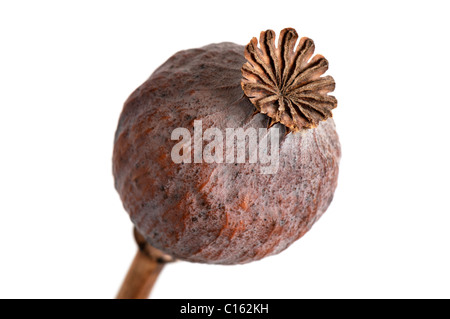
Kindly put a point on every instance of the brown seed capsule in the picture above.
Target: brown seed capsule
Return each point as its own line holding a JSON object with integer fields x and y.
{"x": 229, "y": 213}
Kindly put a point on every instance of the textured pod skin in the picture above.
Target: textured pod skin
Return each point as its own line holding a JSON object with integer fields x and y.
{"x": 216, "y": 213}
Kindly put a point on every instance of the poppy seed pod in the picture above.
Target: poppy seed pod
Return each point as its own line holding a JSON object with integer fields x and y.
{"x": 226, "y": 210}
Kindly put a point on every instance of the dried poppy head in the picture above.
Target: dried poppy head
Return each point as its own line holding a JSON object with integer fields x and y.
{"x": 226, "y": 212}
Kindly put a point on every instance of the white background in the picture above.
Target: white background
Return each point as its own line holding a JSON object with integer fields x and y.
{"x": 67, "y": 67}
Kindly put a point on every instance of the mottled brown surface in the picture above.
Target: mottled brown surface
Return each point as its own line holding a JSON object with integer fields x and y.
{"x": 216, "y": 213}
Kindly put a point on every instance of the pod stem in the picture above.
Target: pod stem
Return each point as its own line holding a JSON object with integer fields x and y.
{"x": 144, "y": 270}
